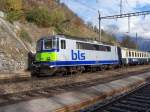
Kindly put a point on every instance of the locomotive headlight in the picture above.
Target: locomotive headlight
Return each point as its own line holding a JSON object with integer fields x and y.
{"x": 51, "y": 66}
{"x": 48, "y": 58}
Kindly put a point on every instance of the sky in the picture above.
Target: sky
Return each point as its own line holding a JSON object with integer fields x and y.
{"x": 88, "y": 11}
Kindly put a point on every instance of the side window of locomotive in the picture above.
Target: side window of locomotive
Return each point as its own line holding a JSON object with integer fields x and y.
{"x": 108, "y": 48}
{"x": 63, "y": 44}
{"x": 56, "y": 43}
{"x": 94, "y": 47}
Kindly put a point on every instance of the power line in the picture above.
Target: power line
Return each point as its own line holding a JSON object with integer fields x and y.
{"x": 127, "y": 15}
{"x": 91, "y": 8}
{"x": 123, "y": 16}
{"x": 126, "y": 6}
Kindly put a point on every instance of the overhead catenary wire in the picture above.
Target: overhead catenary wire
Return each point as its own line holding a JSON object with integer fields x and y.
{"x": 124, "y": 5}
{"x": 85, "y": 5}
{"x": 128, "y": 6}
{"x": 126, "y": 15}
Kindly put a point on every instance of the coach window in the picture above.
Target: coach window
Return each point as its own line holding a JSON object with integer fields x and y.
{"x": 135, "y": 54}
{"x": 132, "y": 54}
{"x": 63, "y": 44}
{"x": 140, "y": 54}
{"x": 129, "y": 54}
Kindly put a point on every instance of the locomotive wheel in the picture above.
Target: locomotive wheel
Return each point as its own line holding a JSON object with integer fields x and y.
{"x": 79, "y": 70}
{"x": 103, "y": 68}
{"x": 33, "y": 73}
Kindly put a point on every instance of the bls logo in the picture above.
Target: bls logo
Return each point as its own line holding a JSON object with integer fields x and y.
{"x": 77, "y": 55}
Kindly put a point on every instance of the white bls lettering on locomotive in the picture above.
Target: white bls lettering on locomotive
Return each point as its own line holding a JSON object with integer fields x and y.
{"x": 77, "y": 55}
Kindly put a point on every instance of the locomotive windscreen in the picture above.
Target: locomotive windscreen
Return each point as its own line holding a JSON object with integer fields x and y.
{"x": 48, "y": 44}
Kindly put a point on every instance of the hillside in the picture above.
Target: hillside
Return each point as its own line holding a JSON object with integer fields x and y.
{"x": 23, "y": 22}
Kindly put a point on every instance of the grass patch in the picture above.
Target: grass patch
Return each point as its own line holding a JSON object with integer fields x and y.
{"x": 14, "y": 16}
{"x": 25, "y": 36}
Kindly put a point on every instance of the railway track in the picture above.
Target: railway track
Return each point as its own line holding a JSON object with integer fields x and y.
{"x": 6, "y": 99}
{"x": 19, "y": 80}
{"x": 137, "y": 100}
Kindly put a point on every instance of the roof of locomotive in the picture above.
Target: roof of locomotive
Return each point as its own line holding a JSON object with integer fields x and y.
{"x": 83, "y": 39}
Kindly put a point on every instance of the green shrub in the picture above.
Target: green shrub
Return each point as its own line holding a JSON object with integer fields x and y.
{"x": 39, "y": 16}
{"x": 25, "y": 36}
{"x": 59, "y": 29}
{"x": 57, "y": 17}
{"x": 14, "y": 16}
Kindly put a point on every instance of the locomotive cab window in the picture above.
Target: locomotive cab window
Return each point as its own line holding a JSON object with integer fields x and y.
{"x": 49, "y": 44}
{"x": 63, "y": 44}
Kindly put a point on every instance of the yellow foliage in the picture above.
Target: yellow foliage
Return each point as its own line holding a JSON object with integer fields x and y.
{"x": 15, "y": 4}
{"x": 11, "y": 5}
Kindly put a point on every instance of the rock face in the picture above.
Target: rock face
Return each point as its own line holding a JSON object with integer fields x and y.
{"x": 13, "y": 50}
{"x": 9, "y": 64}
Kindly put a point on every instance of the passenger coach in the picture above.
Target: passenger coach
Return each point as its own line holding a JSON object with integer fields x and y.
{"x": 132, "y": 56}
